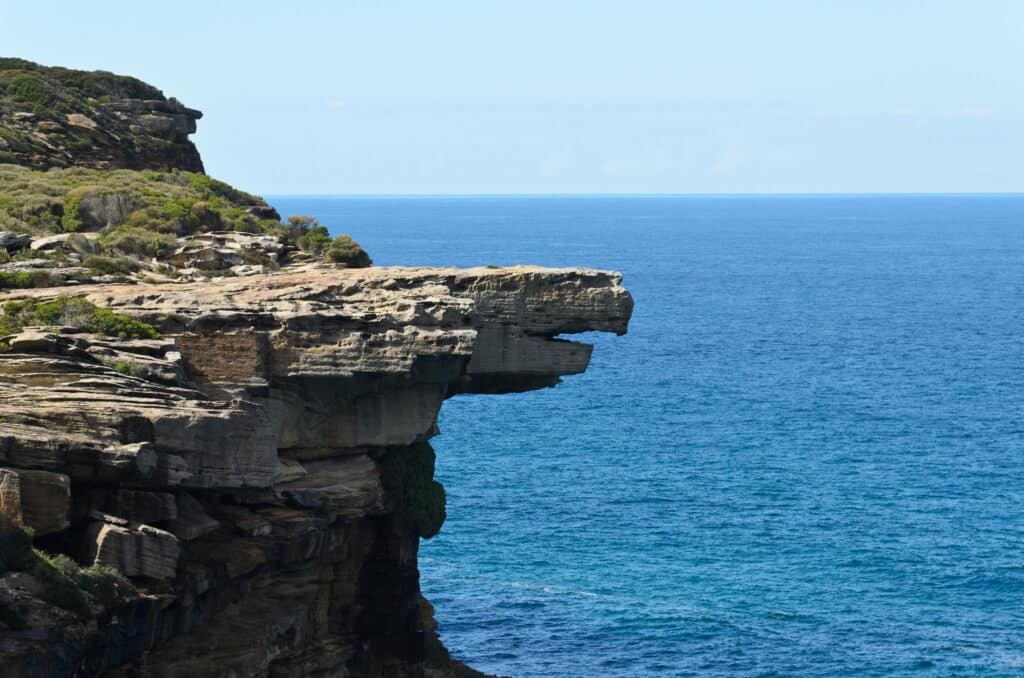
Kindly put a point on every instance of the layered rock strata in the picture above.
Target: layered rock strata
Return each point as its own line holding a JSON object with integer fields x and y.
{"x": 263, "y": 472}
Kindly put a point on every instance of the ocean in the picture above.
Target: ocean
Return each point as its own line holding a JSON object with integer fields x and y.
{"x": 806, "y": 458}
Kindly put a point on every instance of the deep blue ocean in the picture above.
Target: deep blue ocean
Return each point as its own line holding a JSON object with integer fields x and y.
{"x": 806, "y": 458}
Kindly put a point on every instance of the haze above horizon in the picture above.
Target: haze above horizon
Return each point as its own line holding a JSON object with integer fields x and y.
{"x": 573, "y": 97}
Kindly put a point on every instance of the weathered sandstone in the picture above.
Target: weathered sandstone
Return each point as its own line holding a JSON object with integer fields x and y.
{"x": 263, "y": 472}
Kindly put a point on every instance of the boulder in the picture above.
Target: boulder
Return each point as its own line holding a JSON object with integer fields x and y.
{"x": 219, "y": 250}
{"x": 50, "y": 242}
{"x": 79, "y": 120}
{"x": 12, "y": 242}
{"x": 204, "y": 257}
{"x": 38, "y": 499}
{"x": 99, "y": 210}
{"x": 136, "y": 550}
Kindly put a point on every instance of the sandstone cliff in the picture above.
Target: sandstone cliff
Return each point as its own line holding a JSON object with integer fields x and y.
{"x": 228, "y": 475}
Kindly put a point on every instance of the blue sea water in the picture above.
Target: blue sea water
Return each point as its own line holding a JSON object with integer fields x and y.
{"x": 806, "y": 458}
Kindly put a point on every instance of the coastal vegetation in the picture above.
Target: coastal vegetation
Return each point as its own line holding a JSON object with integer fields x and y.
{"x": 119, "y": 221}
{"x": 101, "y": 164}
{"x": 345, "y": 250}
{"x": 76, "y": 312}
{"x": 311, "y": 236}
{"x": 173, "y": 203}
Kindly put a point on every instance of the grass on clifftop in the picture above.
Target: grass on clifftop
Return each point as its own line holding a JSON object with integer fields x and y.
{"x": 72, "y": 312}
{"x": 34, "y": 85}
{"x": 167, "y": 203}
{"x": 141, "y": 215}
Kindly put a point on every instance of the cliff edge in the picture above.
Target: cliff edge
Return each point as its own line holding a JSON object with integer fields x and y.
{"x": 216, "y": 459}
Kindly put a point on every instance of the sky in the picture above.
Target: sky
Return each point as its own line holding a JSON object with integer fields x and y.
{"x": 570, "y": 96}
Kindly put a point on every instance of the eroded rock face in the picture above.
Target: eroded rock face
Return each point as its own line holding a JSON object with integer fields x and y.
{"x": 263, "y": 472}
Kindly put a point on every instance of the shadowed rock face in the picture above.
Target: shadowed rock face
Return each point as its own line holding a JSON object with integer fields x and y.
{"x": 263, "y": 472}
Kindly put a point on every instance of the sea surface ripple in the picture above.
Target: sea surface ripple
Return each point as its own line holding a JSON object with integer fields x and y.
{"x": 806, "y": 458}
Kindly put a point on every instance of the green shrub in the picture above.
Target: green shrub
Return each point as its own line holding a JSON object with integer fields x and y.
{"x": 29, "y": 254}
{"x": 124, "y": 367}
{"x": 106, "y": 583}
{"x": 29, "y": 89}
{"x": 315, "y": 239}
{"x": 345, "y": 250}
{"x": 72, "y": 312}
{"x": 153, "y": 218}
{"x": 105, "y": 321}
{"x": 179, "y": 210}
{"x": 210, "y": 187}
{"x": 96, "y": 84}
{"x": 20, "y": 280}
{"x": 61, "y": 589}
{"x": 165, "y": 204}
{"x": 202, "y": 213}
{"x": 237, "y": 219}
{"x": 109, "y": 265}
{"x": 70, "y": 220}
{"x": 42, "y": 210}
{"x": 297, "y": 226}
{"x": 139, "y": 241}
{"x": 131, "y": 369}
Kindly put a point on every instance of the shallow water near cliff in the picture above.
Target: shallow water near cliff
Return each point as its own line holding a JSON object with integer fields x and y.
{"x": 805, "y": 458}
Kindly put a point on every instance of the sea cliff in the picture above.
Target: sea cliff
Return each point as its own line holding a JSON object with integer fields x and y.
{"x": 221, "y": 447}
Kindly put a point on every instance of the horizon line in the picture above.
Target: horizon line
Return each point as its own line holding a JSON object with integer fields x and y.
{"x": 822, "y": 194}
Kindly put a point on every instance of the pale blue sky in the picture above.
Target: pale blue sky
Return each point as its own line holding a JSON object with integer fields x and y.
{"x": 571, "y": 96}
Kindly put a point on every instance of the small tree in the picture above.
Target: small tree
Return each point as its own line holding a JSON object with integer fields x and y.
{"x": 298, "y": 225}
{"x": 314, "y": 240}
{"x": 345, "y": 250}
